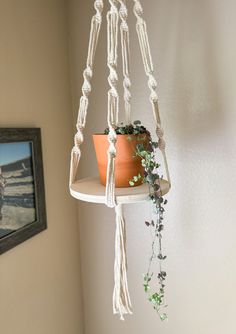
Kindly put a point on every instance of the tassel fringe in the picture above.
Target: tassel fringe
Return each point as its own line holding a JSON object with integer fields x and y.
{"x": 121, "y": 299}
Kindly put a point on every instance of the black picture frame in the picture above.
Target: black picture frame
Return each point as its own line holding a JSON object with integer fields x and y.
{"x": 34, "y": 201}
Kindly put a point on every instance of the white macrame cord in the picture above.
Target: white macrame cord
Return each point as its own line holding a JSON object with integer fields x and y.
{"x": 125, "y": 48}
{"x": 113, "y": 98}
{"x": 121, "y": 298}
{"x": 141, "y": 28}
{"x": 117, "y": 13}
{"x": 86, "y": 89}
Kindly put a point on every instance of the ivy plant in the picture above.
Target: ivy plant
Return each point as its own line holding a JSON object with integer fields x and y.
{"x": 136, "y": 128}
{"x": 153, "y": 283}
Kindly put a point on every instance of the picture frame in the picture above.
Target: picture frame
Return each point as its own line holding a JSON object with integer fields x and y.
{"x": 22, "y": 192}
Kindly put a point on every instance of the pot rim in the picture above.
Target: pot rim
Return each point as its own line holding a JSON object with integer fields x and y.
{"x": 119, "y": 134}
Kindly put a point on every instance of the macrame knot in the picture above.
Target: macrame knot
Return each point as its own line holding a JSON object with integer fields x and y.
{"x": 86, "y": 88}
{"x": 98, "y": 5}
{"x": 114, "y": 4}
{"x": 123, "y": 11}
{"x": 88, "y": 73}
{"x": 124, "y": 26}
{"x": 138, "y": 8}
{"x": 76, "y": 150}
{"x": 153, "y": 97}
{"x": 113, "y": 78}
{"x": 78, "y": 139}
{"x": 160, "y": 132}
{"x": 127, "y": 82}
{"x": 161, "y": 144}
{"x": 127, "y": 96}
{"x": 112, "y": 153}
{"x": 152, "y": 83}
{"x": 112, "y": 140}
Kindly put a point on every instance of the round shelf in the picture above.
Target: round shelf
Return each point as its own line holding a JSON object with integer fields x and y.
{"x": 91, "y": 190}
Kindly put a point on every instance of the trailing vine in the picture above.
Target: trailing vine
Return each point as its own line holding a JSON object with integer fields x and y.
{"x": 153, "y": 283}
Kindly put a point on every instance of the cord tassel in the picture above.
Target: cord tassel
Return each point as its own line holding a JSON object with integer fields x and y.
{"x": 121, "y": 299}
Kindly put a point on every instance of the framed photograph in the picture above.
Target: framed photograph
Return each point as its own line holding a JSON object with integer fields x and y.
{"x": 22, "y": 194}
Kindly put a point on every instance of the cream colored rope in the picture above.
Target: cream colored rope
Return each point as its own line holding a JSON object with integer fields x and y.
{"x": 113, "y": 98}
{"x": 121, "y": 298}
{"x": 148, "y": 66}
{"x": 125, "y": 47}
{"x": 86, "y": 89}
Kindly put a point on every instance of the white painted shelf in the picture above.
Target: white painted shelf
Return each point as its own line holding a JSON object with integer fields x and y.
{"x": 91, "y": 190}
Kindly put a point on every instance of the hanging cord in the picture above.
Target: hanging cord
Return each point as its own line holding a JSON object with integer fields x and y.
{"x": 121, "y": 298}
{"x": 86, "y": 89}
{"x": 152, "y": 84}
{"x": 113, "y": 98}
{"x": 125, "y": 47}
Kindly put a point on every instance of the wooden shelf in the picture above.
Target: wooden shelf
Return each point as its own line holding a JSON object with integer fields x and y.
{"x": 91, "y": 190}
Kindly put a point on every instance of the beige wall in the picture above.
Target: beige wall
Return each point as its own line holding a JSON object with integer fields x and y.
{"x": 39, "y": 279}
{"x": 193, "y": 45}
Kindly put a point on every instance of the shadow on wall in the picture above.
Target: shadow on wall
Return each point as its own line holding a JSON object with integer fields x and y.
{"x": 198, "y": 113}
{"x": 196, "y": 84}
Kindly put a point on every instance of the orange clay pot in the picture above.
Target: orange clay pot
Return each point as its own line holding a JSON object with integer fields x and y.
{"x": 126, "y": 164}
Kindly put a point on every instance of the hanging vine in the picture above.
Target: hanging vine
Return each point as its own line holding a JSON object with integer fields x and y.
{"x": 154, "y": 284}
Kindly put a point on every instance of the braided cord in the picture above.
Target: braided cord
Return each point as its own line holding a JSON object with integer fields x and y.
{"x": 113, "y": 98}
{"x": 152, "y": 84}
{"x": 125, "y": 47}
{"x": 86, "y": 89}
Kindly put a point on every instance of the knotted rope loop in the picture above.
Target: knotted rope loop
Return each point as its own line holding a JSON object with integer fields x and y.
{"x": 125, "y": 47}
{"x": 113, "y": 98}
{"x": 123, "y": 12}
{"x": 161, "y": 144}
{"x": 76, "y": 150}
{"x": 160, "y": 132}
{"x": 113, "y": 6}
{"x": 86, "y": 88}
{"x": 138, "y": 10}
{"x": 112, "y": 137}
{"x": 78, "y": 139}
{"x": 152, "y": 84}
{"x": 98, "y": 5}
{"x": 113, "y": 80}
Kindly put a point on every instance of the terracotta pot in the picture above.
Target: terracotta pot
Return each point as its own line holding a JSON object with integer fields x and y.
{"x": 126, "y": 165}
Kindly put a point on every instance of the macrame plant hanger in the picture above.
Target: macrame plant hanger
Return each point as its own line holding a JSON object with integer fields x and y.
{"x": 90, "y": 189}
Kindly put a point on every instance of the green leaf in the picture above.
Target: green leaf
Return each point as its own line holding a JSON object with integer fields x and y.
{"x": 143, "y": 162}
{"x": 163, "y": 316}
{"x": 131, "y": 183}
{"x": 154, "y": 144}
{"x": 146, "y": 287}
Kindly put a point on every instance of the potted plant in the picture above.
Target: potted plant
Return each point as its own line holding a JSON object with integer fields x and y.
{"x": 127, "y": 163}
{"x": 136, "y": 164}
